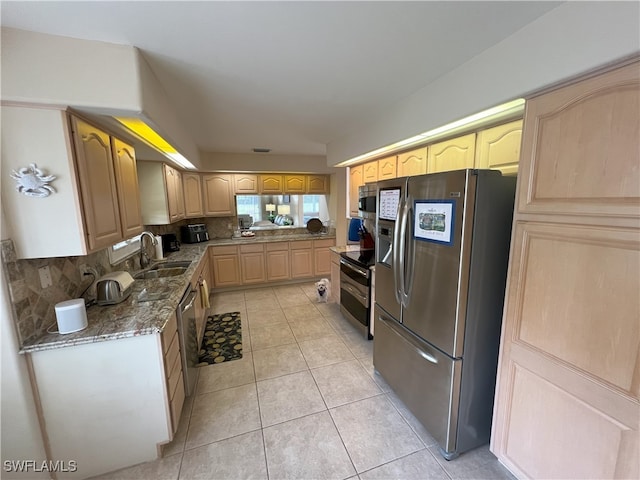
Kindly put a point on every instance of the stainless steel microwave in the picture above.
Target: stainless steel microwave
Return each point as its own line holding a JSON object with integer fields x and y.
{"x": 367, "y": 194}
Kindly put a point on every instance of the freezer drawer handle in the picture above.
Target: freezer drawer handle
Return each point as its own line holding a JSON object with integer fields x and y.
{"x": 427, "y": 356}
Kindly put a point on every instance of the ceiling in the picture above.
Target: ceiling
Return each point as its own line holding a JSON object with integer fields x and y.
{"x": 289, "y": 76}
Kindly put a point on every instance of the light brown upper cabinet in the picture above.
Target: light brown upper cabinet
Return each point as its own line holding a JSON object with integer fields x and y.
{"x": 124, "y": 157}
{"x": 245, "y": 183}
{"x": 355, "y": 180}
{"x": 317, "y": 184}
{"x": 295, "y": 184}
{"x": 569, "y": 363}
{"x": 455, "y": 154}
{"x": 387, "y": 168}
{"x": 413, "y": 162}
{"x": 161, "y": 193}
{"x": 370, "y": 171}
{"x": 192, "y": 188}
{"x": 271, "y": 184}
{"x": 218, "y": 194}
{"x": 97, "y": 178}
{"x": 499, "y": 147}
{"x": 175, "y": 195}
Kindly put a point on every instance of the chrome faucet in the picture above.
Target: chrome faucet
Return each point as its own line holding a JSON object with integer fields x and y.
{"x": 144, "y": 257}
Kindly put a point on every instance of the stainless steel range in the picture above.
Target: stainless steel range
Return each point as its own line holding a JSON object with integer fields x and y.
{"x": 355, "y": 288}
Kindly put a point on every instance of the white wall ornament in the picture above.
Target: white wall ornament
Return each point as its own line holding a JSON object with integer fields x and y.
{"x": 33, "y": 182}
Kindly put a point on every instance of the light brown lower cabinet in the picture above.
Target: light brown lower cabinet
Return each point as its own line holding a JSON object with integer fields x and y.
{"x": 277, "y": 261}
{"x": 225, "y": 265}
{"x": 301, "y": 259}
{"x": 252, "y": 263}
{"x": 173, "y": 371}
{"x": 255, "y": 263}
{"x": 322, "y": 256}
{"x": 335, "y": 277}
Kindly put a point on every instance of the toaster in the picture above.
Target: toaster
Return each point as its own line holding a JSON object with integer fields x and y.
{"x": 194, "y": 233}
{"x": 115, "y": 287}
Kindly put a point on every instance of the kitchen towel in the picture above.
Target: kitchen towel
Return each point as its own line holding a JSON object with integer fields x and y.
{"x": 159, "y": 254}
{"x": 204, "y": 293}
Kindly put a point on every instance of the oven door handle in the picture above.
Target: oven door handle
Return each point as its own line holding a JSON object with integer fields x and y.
{"x": 355, "y": 268}
{"x": 353, "y": 291}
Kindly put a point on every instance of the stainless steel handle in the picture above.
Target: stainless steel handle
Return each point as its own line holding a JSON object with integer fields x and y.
{"x": 189, "y": 305}
{"x": 354, "y": 268}
{"x": 355, "y": 293}
{"x": 402, "y": 254}
{"x": 394, "y": 327}
{"x": 395, "y": 251}
{"x": 408, "y": 258}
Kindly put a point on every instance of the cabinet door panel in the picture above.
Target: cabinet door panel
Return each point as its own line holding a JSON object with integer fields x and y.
{"x": 245, "y": 184}
{"x": 317, "y": 184}
{"x": 271, "y": 184}
{"x": 455, "y": 154}
{"x": 499, "y": 147}
{"x": 128, "y": 192}
{"x": 97, "y": 185}
{"x": 412, "y": 163}
{"x": 302, "y": 263}
{"x": 192, "y": 189}
{"x": 294, "y": 184}
{"x": 387, "y": 168}
{"x": 218, "y": 195}
{"x": 355, "y": 180}
{"x": 278, "y": 265}
{"x": 253, "y": 270}
{"x": 370, "y": 171}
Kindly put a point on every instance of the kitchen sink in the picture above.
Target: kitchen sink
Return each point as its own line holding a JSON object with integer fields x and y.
{"x": 161, "y": 270}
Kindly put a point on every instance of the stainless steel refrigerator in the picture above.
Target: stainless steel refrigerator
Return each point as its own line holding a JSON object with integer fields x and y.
{"x": 442, "y": 250}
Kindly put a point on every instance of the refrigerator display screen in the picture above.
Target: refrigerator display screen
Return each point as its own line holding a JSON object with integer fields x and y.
{"x": 389, "y": 200}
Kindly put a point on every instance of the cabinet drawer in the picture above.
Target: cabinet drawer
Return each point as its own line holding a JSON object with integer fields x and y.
{"x": 226, "y": 250}
{"x": 176, "y": 403}
{"x": 300, "y": 244}
{"x": 171, "y": 354}
{"x": 325, "y": 243}
{"x": 170, "y": 329}
{"x": 254, "y": 248}
{"x": 277, "y": 246}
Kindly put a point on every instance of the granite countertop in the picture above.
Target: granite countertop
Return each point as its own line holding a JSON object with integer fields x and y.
{"x": 137, "y": 315}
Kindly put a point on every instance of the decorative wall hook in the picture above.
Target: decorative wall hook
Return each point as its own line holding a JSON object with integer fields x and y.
{"x": 33, "y": 182}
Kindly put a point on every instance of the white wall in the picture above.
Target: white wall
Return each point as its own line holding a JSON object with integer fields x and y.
{"x": 50, "y": 69}
{"x": 20, "y": 437}
{"x": 258, "y": 162}
{"x": 157, "y": 109}
{"x": 569, "y": 40}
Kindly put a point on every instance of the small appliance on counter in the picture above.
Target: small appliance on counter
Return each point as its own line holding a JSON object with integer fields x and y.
{"x": 113, "y": 288}
{"x": 170, "y": 243}
{"x": 194, "y": 233}
{"x": 71, "y": 316}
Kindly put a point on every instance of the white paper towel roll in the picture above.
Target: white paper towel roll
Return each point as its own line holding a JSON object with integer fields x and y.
{"x": 71, "y": 316}
{"x": 159, "y": 255}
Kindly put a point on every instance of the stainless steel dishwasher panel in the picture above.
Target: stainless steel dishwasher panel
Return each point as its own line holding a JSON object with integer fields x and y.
{"x": 188, "y": 339}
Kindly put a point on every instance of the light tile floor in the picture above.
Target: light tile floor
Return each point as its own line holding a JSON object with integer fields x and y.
{"x": 304, "y": 402}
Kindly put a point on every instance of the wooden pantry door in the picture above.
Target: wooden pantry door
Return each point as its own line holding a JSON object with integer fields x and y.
{"x": 567, "y": 398}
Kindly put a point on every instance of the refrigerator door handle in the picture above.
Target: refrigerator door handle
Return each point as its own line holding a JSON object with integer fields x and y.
{"x": 395, "y": 252}
{"x": 408, "y": 338}
{"x": 408, "y": 260}
{"x": 404, "y": 297}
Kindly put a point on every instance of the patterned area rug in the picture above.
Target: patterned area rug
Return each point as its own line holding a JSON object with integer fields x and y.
{"x": 222, "y": 341}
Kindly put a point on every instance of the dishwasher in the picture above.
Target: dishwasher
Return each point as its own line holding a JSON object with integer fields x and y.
{"x": 187, "y": 333}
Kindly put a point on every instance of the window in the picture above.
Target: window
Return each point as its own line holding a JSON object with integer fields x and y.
{"x": 310, "y": 207}
{"x": 249, "y": 205}
{"x": 122, "y": 250}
